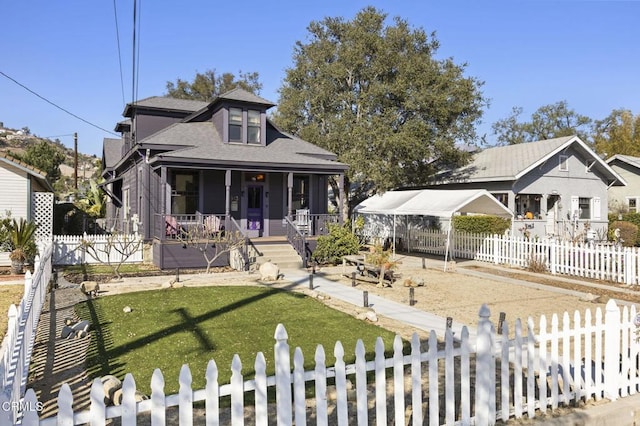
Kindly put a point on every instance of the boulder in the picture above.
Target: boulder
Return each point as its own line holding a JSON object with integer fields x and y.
{"x": 371, "y": 316}
{"x": 67, "y": 332}
{"x": 81, "y": 326}
{"x": 110, "y": 384}
{"x": 177, "y": 284}
{"x": 166, "y": 285}
{"x": 90, "y": 287}
{"x": 269, "y": 271}
{"x": 127, "y": 309}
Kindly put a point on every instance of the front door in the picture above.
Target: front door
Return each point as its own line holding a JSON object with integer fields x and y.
{"x": 255, "y": 222}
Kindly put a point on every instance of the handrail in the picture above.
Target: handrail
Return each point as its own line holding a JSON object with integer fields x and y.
{"x": 298, "y": 241}
{"x": 247, "y": 243}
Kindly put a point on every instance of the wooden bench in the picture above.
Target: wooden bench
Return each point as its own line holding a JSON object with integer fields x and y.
{"x": 366, "y": 272}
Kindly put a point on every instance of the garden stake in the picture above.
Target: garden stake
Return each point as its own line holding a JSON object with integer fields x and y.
{"x": 177, "y": 275}
{"x": 365, "y": 296}
{"x": 501, "y": 319}
{"x": 412, "y": 300}
{"x": 353, "y": 279}
{"x": 423, "y": 264}
{"x": 310, "y": 281}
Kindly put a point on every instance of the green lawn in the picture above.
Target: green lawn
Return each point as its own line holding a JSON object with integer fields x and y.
{"x": 9, "y": 294}
{"x": 168, "y": 328}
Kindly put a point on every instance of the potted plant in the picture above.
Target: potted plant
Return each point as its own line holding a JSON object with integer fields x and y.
{"x": 23, "y": 245}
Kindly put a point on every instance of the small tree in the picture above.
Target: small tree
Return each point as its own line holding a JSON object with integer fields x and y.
{"x": 212, "y": 244}
{"x": 339, "y": 242}
{"x": 114, "y": 251}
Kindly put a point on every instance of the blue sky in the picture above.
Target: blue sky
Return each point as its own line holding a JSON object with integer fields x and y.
{"x": 528, "y": 53}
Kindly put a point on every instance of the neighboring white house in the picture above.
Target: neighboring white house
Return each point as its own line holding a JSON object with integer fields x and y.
{"x": 26, "y": 193}
{"x": 625, "y": 198}
{"x": 555, "y": 187}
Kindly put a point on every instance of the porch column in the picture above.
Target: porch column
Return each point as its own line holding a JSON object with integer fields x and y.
{"x": 289, "y": 193}
{"x": 341, "y": 194}
{"x": 227, "y": 195}
{"x": 163, "y": 186}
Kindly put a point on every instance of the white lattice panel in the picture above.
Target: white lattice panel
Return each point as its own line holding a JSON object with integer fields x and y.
{"x": 42, "y": 208}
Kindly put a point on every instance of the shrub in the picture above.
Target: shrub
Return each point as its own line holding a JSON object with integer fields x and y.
{"x": 628, "y": 232}
{"x": 481, "y": 224}
{"x": 633, "y": 218}
{"x": 339, "y": 242}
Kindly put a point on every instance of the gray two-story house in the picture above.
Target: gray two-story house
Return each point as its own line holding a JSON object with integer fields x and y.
{"x": 555, "y": 187}
{"x": 182, "y": 161}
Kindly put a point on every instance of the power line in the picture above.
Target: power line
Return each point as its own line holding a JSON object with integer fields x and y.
{"x": 56, "y": 105}
{"x": 115, "y": 13}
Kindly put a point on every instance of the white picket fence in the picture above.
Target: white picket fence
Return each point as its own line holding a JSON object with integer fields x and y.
{"x": 69, "y": 249}
{"x": 15, "y": 352}
{"x": 463, "y": 382}
{"x": 598, "y": 261}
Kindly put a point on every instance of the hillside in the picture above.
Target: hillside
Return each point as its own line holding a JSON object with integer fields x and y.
{"x": 17, "y": 141}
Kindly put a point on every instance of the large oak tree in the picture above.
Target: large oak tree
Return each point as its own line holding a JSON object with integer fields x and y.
{"x": 619, "y": 133}
{"x": 547, "y": 122}
{"x": 377, "y": 96}
{"x": 206, "y": 86}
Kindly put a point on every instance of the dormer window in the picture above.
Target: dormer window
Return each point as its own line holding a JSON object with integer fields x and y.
{"x": 253, "y": 126}
{"x": 235, "y": 125}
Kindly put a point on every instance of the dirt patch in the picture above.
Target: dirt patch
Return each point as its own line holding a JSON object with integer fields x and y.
{"x": 460, "y": 296}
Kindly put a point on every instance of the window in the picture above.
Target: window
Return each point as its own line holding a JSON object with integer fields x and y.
{"x": 185, "y": 192}
{"x": 235, "y": 125}
{"x": 126, "y": 204}
{"x": 300, "y": 193}
{"x": 564, "y": 164}
{"x": 253, "y": 127}
{"x": 503, "y": 197}
{"x": 584, "y": 208}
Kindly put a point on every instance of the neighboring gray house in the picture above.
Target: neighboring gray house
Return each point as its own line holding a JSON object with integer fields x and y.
{"x": 625, "y": 198}
{"x": 180, "y": 161}
{"x": 27, "y": 194}
{"x": 555, "y": 187}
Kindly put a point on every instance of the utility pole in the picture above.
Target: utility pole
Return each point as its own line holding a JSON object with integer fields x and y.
{"x": 75, "y": 160}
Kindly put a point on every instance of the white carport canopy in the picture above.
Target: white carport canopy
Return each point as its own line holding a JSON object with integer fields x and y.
{"x": 433, "y": 202}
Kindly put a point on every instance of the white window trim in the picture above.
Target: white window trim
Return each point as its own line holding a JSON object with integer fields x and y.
{"x": 563, "y": 165}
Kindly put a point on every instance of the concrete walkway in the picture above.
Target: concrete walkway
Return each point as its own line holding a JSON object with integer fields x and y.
{"x": 414, "y": 317}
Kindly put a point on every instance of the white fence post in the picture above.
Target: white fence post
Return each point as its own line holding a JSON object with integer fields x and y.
{"x": 485, "y": 383}
{"x": 283, "y": 376}
{"x": 612, "y": 350}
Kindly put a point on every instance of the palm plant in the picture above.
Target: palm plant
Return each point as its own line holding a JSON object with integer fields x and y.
{"x": 22, "y": 241}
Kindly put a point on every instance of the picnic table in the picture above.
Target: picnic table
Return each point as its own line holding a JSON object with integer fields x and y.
{"x": 366, "y": 271}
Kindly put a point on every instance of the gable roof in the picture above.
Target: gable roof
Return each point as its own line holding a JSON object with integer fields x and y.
{"x": 434, "y": 202}
{"x": 30, "y": 170}
{"x": 241, "y": 95}
{"x": 627, "y": 159}
{"x": 511, "y": 162}
{"x": 165, "y": 103}
{"x": 200, "y": 142}
{"x": 111, "y": 152}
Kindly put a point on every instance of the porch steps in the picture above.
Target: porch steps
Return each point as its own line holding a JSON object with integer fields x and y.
{"x": 279, "y": 252}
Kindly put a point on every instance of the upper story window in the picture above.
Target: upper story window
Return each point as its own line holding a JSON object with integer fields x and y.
{"x": 564, "y": 163}
{"x": 235, "y": 125}
{"x": 253, "y": 126}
